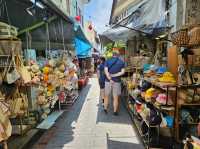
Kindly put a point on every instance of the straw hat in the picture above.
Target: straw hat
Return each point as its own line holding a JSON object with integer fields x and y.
{"x": 35, "y": 68}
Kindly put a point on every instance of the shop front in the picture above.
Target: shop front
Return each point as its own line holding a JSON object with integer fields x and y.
{"x": 161, "y": 90}
{"x": 39, "y": 75}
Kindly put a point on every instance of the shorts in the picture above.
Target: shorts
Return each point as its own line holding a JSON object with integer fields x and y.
{"x": 102, "y": 84}
{"x": 115, "y": 88}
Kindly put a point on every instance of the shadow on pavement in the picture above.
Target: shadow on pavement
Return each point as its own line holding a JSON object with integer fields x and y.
{"x": 123, "y": 145}
{"x": 122, "y": 118}
{"x": 62, "y": 132}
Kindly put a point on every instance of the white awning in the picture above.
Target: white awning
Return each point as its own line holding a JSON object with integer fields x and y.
{"x": 120, "y": 33}
{"x": 147, "y": 16}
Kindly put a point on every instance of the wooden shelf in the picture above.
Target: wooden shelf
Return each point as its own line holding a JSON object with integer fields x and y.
{"x": 160, "y": 107}
{"x": 189, "y": 86}
{"x": 190, "y": 104}
{"x": 188, "y": 123}
{"x": 163, "y": 86}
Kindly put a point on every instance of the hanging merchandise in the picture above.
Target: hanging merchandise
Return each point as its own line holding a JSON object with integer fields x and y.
{"x": 78, "y": 18}
{"x": 12, "y": 75}
{"x": 90, "y": 27}
{"x": 19, "y": 105}
{"x": 5, "y": 126}
{"x": 23, "y": 71}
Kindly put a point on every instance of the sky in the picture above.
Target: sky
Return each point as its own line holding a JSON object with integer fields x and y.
{"x": 98, "y": 12}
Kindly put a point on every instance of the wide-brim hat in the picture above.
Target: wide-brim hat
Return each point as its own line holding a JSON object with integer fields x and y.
{"x": 153, "y": 67}
{"x": 35, "y": 68}
{"x": 149, "y": 93}
{"x": 162, "y": 98}
{"x": 145, "y": 86}
{"x": 146, "y": 67}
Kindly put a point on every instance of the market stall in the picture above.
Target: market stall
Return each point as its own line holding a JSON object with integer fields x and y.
{"x": 37, "y": 67}
{"x": 162, "y": 95}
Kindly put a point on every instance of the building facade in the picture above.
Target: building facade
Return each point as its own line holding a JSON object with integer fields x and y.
{"x": 72, "y": 8}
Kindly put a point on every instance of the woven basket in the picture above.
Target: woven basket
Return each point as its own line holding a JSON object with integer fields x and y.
{"x": 194, "y": 35}
{"x": 180, "y": 38}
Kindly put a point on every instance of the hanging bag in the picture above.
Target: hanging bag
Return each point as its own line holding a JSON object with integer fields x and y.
{"x": 5, "y": 127}
{"x": 13, "y": 75}
{"x": 25, "y": 74}
{"x": 19, "y": 105}
{"x": 41, "y": 100}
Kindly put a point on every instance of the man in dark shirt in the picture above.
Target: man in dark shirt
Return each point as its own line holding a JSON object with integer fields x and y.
{"x": 114, "y": 69}
{"x": 101, "y": 76}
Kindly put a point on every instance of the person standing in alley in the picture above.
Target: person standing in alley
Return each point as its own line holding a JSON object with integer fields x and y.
{"x": 114, "y": 68}
{"x": 101, "y": 78}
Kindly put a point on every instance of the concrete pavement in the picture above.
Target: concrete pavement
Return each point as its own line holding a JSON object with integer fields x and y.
{"x": 86, "y": 126}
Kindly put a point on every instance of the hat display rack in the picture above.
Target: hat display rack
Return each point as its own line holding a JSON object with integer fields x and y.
{"x": 182, "y": 39}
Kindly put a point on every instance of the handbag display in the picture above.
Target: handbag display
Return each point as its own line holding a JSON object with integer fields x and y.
{"x": 5, "y": 126}
{"x": 25, "y": 74}
{"x": 5, "y": 108}
{"x": 19, "y": 105}
{"x": 41, "y": 100}
{"x": 12, "y": 76}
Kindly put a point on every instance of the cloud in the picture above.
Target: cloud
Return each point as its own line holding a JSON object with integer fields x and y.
{"x": 99, "y": 10}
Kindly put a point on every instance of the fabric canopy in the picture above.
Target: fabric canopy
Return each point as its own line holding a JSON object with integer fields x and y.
{"x": 148, "y": 16}
{"x": 83, "y": 49}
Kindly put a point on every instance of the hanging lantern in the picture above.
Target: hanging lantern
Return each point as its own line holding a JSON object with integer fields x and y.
{"x": 78, "y": 18}
{"x": 90, "y": 27}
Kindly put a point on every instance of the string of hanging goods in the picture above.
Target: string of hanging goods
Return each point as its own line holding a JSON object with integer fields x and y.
{"x": 48, "y": 43}
{"x": 63, "y": 37}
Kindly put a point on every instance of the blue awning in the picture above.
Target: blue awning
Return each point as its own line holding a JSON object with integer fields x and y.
{"x": 82, "y": 45}
{"x": 83, "y": 49}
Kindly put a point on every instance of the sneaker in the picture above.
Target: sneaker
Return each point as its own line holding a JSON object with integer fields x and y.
{"x": 115, "y": 114}
{"x": 106, "y": 112}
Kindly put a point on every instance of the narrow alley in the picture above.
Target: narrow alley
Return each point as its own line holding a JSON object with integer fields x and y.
{"x": 61, "y": 60}
{"x": 85, "y": 126}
